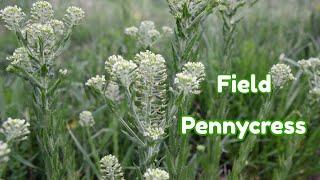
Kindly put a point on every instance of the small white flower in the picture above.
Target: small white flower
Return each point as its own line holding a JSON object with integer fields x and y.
{"x": 19, "y": 55}
{"x": 74, "y": 15}
{"x": 12, "y": 16}
{"x": 63, "y": 72}
{"x": 131, "y": 31}
{"x": 154, "y": 133}
{"x": 110, "y": 168}
{"x": 156, "y": 174}
{"x": 112, "y": 92}
{"x": 4, "y": 152}
{"x": 97, "y": 82}
{"x": 167, "y": 30}
{"x": 281, "y": 74}
{"x": 15, "y": 129}
{"x": 86, "y": 119}
{"x": 41, "y": 12}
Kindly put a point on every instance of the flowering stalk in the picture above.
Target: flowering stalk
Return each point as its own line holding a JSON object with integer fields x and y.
{"x": 145, "y": 85}
{"x": 281, "y": 76}
{"x": 42, "y": 38}
{"x": 311, "y": 69}
{"x": 86, "y": 120}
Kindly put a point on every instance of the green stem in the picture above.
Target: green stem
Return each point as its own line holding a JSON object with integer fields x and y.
{"x": 92, "y": 147}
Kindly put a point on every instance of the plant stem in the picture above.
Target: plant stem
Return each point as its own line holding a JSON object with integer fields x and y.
{"x": 92, "y": 147}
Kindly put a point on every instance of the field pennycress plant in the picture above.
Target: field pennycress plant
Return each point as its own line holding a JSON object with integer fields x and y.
{"x": 42, "y": 38}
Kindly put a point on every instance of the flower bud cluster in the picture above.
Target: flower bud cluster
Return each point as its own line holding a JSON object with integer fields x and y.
{"x": 155, "y": 133}
{"x": 15, "y": 129}
{"x": 41, "y": 12}
{"x": 13, "y": 17}
{"x": 281, "y": 75}
{"x": 147, "y": 34}
{"x": 86, "y": 119}
{"x": 156, "y": 174}
{"x": 312, "y": 65}
{"x": 121, "y": 70}
{"x": 188, "y": 81}
{"x": 74, "y": 16}
{"x": 20, "y": 57}
{"x": 98, "y": 82}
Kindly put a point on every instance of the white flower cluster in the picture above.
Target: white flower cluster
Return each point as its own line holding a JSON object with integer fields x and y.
{"x": 13, "y": 17}
{"x": 311, "y": 63}
{"x": 156, "y": 174}
{"x": 121, "y": 69}
{"x": 147, "y": 34}
{"x": 86, "y": 119}
{"x": 20, "y": 57}
{"x": 110, "y": 168}
{"x": 15, "y": 129}
{"x": 313, "y": 66}
{"x": 188, "y": 81}
{"x": 41, "y": 12}
{"x": 151, "y": 66}
{"x": 155, "y": 133}
{"x": 281, "y": 75}
{"x": 74, "y": 15}
{"x": 42, "y": 32}
{"x": 4, "y": 152}
{"x": 97, "y": 82}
